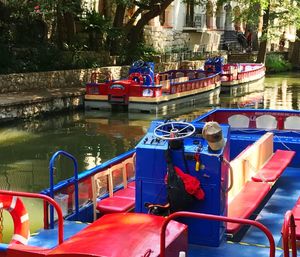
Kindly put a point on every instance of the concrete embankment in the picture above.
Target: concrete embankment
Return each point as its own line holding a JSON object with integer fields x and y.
{"x": 35, "y": 102}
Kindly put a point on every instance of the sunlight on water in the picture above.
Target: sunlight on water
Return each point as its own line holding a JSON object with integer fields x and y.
{"x": 12, "y": 136}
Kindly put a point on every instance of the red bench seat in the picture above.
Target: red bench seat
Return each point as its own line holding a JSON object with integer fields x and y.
{"x": 131, "y": 184}
{"x": 272, "y": 170}
{"x": 296, "y": 213}
{"x": 115, "y": 204}
{"x": 128, "y": 193}
{"x": 245, "y": 203}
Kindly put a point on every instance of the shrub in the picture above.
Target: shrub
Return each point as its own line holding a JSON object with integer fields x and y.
{"x": 276, "y": 63}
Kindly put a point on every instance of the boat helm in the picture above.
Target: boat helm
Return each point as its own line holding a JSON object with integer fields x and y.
{"x": 212, "y": 132}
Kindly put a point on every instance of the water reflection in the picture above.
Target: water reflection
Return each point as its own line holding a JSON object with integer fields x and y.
{"x": 94, "y": 137}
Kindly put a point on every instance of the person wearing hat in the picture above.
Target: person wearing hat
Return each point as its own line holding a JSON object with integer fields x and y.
{"x": 212, "y": 133}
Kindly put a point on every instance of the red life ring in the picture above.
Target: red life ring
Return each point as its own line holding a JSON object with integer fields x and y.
{"x": 137, "y": 75}
{"x": 20, "y": 217}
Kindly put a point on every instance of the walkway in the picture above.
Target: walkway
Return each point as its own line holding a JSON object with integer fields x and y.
{"x": 32, "y": 103}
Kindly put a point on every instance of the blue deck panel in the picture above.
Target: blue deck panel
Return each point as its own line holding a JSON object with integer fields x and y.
{"x": 49, "y": 238}
{"x": 286, "y": 193}
{"x": 283, "y": 199}
{"x": 230, "y": 250}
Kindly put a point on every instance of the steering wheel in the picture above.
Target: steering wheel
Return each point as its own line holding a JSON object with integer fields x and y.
{"x": 138, "y": 64}
{"x": 174, "y": 130}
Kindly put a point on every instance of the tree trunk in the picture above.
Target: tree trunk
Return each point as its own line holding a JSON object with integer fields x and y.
{"x": 262, "y": 52}
{"x": 295, "y": 58}
{"x": 119, "y": 16}
{"x": 60, "y": 35}
{"x": 135, "y": 33}
{"x": 69, "y": 26}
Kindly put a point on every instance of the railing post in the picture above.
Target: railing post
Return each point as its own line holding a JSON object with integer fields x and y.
{"x": 51, "y": 170}
{"x": 213, "y": 217}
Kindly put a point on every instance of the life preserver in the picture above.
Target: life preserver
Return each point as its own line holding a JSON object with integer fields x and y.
{"x": 138, "y": 76}
{"x": 20, "y": 217}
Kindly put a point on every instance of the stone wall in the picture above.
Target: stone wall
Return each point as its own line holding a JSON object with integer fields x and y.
{"x": 20, "y": 82}
{"x": 165, "y": 39}
{"x": 55, "y": 79}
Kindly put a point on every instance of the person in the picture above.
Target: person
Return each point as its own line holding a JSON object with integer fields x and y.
{"x": 248, "y": 36}
{"x": 242, "y": 40}
{"x": 282, "y": 41}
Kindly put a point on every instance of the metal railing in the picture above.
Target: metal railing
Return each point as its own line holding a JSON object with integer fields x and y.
{"x": 216, "y": 218}
{"x": 73, "y": 179}
{"x": 289, "y": 235}
{"x": 47, "y": 200}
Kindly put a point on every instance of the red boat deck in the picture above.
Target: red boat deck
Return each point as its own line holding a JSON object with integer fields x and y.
{"x": 115, "y": 235}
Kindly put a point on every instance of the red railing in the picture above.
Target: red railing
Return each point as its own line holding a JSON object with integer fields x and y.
{"x": 217, "y": 218}
{"x": 289, "y": 235}
{"x": 46, "y": 199}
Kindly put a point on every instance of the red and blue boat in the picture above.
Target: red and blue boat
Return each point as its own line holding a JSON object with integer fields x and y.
{"x": 235, "y": 74}
{"x": 144, "y": 91}
{"x": 225, "y": 184}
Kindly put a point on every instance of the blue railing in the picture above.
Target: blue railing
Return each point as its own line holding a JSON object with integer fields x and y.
{"x": 74, "y": 180}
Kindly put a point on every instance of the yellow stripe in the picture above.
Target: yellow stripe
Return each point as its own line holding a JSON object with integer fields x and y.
{"x": 250, "y": 244}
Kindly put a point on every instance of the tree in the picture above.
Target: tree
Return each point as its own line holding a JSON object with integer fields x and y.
{"x": 131, "y": 32}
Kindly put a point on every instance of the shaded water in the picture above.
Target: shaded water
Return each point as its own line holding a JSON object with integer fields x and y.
{"x": 27, "y": 146}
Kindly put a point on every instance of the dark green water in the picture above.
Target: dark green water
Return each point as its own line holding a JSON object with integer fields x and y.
{"x": 27, "y": 146}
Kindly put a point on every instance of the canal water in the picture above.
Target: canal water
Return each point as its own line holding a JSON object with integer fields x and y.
{"x": 94, "y": 137}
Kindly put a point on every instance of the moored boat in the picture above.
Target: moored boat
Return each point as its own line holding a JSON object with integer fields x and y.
{"x": 144, "y": 91}
{"x": 229, "y": 168}
{"x": 234, "y": 74}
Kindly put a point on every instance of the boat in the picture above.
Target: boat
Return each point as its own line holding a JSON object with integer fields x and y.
{"x": 224, "y": 184}
{"x": 144, "y": 91}
{"x": 235, "y": 74}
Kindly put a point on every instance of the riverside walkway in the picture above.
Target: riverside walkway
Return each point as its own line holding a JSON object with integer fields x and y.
{"x": 32, "y": 103}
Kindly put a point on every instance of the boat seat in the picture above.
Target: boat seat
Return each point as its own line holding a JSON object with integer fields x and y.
{"x": 266, "y": 122}
{"x": 131, "y": 184}
{"x": 274, "y": 167}
{"x": 115, "y": 204}
{"x": 122, "y": 200}
{"x": 238, "y": 121}
{"x": 296, "y": 213}
{"x": 252, "y": 169}
{"x": 292, "y": 122}
{"x": 246, "y": 202}
{"x": 128, "y": 193}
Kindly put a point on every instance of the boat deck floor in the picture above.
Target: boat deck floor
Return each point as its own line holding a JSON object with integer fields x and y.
{"x": 254, "y": 242}
{"x": 48, "y": 238}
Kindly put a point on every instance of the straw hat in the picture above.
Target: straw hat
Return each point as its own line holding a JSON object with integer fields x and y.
{"x": 212, "y": 132}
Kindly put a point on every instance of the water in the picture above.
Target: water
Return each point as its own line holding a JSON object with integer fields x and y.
{"x": 27, "y": 146}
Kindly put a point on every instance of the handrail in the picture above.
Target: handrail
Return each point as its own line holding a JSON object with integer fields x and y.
{"x": 75, "y": 180}
{"x": 48, "y": 200}
{"x": 217, "y": 218}
{"x": 289, "y": 234}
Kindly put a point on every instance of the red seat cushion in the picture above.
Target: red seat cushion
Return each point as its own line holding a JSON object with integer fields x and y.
{"x": 115, "y": 204}
{"x": 247, "y": 200}
{"x": 131, "y": 184}
{"x": 126, "y": 193}
{"x": 272, "y": 170}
